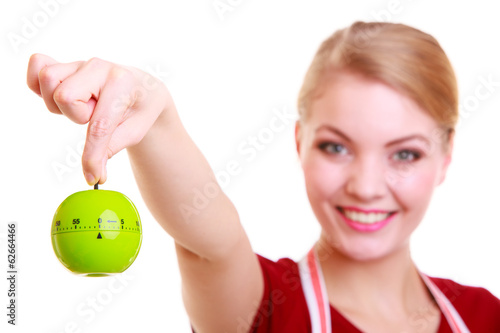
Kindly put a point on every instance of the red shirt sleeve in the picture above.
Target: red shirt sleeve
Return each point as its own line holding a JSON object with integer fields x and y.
{"x": 283, "y": 307}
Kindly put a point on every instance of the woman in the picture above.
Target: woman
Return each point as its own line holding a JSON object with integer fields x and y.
{"x": 377, "y": 113}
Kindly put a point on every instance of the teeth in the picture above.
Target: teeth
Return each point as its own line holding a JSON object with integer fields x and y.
{"x": 369, "y": 218}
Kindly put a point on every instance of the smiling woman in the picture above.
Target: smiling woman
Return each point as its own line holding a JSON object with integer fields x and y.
{"x": 378, "y": 108}
{"x": 377, "y": 114}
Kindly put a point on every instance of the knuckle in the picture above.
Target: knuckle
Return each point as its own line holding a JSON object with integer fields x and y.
{"x": 46, "y": 74}
{"x": 120, "y": 73}
{"x": 100, "y": 128}
{"x": 62, "y": 96}
{"x": 36, "y": 59}
{"x": 94, "y": 61}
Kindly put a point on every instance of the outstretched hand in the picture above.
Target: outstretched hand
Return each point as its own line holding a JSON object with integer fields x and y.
{"x": 119, "y": 103}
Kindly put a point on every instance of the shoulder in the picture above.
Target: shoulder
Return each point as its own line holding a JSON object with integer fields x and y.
{"x": 283, "y": 307}
{"x": 284, "y": 272}
{"x": 479, "y": 308}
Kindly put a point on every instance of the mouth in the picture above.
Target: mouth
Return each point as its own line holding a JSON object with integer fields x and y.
{"x": 366, "y": 217}
{"x": 365, "y": 220}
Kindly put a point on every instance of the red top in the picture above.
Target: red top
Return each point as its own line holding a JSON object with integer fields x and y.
{"x": 284, "y": 308}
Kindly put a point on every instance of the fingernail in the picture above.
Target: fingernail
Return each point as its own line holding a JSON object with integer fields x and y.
{"x": 90, "y": 178}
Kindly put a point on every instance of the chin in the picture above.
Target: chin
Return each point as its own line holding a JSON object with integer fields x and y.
{"x": 363, "y": 255}
{"x": 369, "y": 250}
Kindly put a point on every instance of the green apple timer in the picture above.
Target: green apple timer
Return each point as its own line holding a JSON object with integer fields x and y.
{"x": 96, "y": 232}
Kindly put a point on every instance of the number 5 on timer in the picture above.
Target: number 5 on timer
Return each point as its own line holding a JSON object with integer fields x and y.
{"x": 96, "y": 232}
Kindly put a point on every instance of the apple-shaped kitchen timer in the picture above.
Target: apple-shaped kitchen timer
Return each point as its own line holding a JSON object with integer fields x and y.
{"x": 96, "y": 232}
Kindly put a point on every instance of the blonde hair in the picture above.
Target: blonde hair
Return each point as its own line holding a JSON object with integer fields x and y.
{"x": 402, "y": 57}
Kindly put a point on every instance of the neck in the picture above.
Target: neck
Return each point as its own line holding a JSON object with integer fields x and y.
{"x": 382, "y": 284}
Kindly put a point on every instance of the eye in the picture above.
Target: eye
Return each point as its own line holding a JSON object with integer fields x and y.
{"x": 407, "y": 155}
{"x": 333, "y": 148}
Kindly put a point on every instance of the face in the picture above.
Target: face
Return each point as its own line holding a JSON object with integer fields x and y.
{"x": 371, "y": 161}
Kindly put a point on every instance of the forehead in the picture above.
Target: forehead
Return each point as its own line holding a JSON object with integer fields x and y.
{"x": 368, "y": 110}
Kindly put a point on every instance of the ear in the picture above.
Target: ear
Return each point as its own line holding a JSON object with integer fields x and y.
{"x": 447, "y": 157}
{"x": 298, "y": 136}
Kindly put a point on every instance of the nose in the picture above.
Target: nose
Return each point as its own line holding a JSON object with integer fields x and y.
{"x": 366, "y": 180}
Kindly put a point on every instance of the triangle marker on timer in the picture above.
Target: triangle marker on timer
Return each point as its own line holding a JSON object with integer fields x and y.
{"x": 99, "y": 236}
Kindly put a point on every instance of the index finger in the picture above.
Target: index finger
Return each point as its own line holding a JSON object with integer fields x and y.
{"x": 109, "y": 112}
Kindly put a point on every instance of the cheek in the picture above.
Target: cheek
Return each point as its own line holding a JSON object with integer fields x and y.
{"x": 323, "y": 179}
{"x": 415, "y": 186}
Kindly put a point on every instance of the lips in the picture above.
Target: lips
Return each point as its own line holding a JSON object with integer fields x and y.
{"x": 365, "y": 220}
{"x": 356, "y": 209}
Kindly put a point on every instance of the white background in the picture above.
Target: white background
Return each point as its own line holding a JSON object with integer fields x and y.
{"x": 226, "y": 73}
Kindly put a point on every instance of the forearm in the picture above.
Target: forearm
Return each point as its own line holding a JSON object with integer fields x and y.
{"x": 180, "y": 189}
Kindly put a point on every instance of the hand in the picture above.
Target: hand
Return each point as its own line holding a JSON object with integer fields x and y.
{"x": 120, "y": 104}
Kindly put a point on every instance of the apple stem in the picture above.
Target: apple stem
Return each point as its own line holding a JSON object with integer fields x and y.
{"x": 96, "y": 186}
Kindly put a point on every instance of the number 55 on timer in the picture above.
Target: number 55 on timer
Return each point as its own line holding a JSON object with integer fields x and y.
{"x": 96, "y": 232}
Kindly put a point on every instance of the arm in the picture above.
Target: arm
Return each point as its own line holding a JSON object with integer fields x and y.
{"x": 126, "y": 108}
{"x": 221, "y": 278}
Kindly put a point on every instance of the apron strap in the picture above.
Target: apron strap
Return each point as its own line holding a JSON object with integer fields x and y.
{"x": 450, "y": 313}
{"x": 314, "y": 289}
{"x": 316, "y": 296}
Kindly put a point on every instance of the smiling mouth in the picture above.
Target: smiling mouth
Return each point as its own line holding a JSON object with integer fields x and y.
{"x": 364, "y": 217}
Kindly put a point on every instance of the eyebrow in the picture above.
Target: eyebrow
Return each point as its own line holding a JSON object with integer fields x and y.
{"x": 390, "y": 143}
